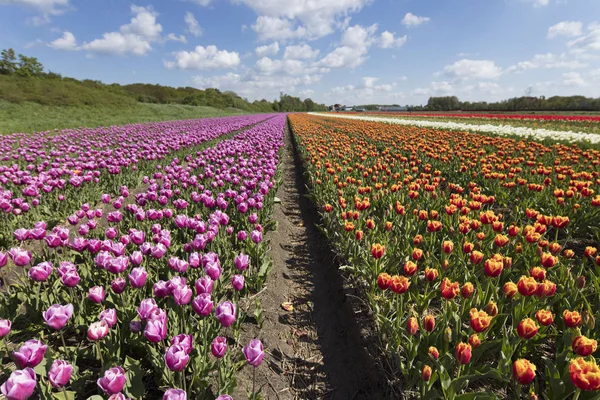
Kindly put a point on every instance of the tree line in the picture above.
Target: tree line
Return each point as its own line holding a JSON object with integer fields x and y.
{"x": 24, "y": 79}
{"x": 523, "y": 103}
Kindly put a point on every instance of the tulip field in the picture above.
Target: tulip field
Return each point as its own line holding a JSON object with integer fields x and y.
{"x": 125, "y": 253}
{"x": 132, "y": 257}
{"x": 476, "y": 254}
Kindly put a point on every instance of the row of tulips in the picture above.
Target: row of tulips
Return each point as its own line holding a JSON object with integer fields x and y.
{"x": 46, "y": 175}
{"x": 151, "y": 305}
{"x": 567, "y": 133}
{"x": 476, "y": 253}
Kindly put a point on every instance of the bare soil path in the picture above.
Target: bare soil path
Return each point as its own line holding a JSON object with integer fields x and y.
{"x": 315, "y": 351}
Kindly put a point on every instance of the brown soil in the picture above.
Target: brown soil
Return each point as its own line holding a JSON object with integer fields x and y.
{"x": 315, "y": 351}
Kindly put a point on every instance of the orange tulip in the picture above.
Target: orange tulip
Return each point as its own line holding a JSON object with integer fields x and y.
{"x": 412, "y": 326}
{"x": 480, "y": 320}
{"x": 572, "y": 319}
{"x": 523, "y": 371}
{"x": 583, "y": 346}
{"x": 429, "y": 323}
{"x": 447, "y": 246}
{"x": 493, "y": 266}
{"x": 417, "y": 254}
{"x": 463, "y": 353}
{"x": 377, "y": 250}
{"x": 585, "y": 375}
{"x": 384, "y": 280}
{"x": 399, "y": 284}
{"x": 510, "y": 289}
{"x": 431, "y": 274}
{"x": 433, "y": 352}
{"x": 492, "y": 308}
{"x": 474, "y": 340}
{"x": 449, "y": 289}
{"x": 467, "y": 290}
{"x": 426, "y": 374}
{"x": 538, "y": 273}
{"x": 527, "y": 328}
{"x": 544, "y": 317}
{"x": 410, "y": 268}
{"x": 527, "y": 286}
{"x": 476, "y": 257}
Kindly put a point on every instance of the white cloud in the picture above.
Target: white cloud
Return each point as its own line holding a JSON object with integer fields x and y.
{"x": 565, "y": 28}
{"x": 595, "y": 74}
{"x": 132, "y": 38}
{"x": 306, "y": 93}
{"x": 313, "y": 18}
{"x": 46, "y": 8}
{"x": 472, "y": 69}
{"x": 540, "y": 3}
{"x": 66, "y": 42}
{"x": 208, "y": 57}
{"x": 355, "y": 43}
{"x": 300, "y": 52}
{"x": 368, "y": 91}
{"x": 174, "y": 38}
{"x": 590, "y": 41}
{"x": 410, "y": 20}
{"x": 572, "y": 79}
{"x": 193, "y": 27}
{"x": 267, "y": 50}
{"x": 203, "y": 3}
{"x": 547, "y": 61}
{"x": 256, "y": 86}
{"x": 272, "y": 28}
{"x": 387, "y": 40}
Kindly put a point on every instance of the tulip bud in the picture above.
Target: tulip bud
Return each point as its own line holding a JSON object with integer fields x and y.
{"x": 580, "y": 282}
{"x": 448, "y": 335}
{"x": 426, "y": 374}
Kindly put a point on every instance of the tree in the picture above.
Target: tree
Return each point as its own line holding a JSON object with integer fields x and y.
{"x": 29, "y": 66}
{"x": 8, "y": 62}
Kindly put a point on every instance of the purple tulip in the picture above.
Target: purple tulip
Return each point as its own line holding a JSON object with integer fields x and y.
{"x": 256, "y": 236}
{"x": 110, "y": 233}
{"x": 19, "y": 256}
{"x": 118, "y": 396}
{"x": 161, "y": 289}
{"x": 96, "y": 294}
{"x": 204, "y": 285}
{"x": 176, "y": 358}
{"x": 224, "y": 397}
{"x": 135, "y": 326}
{"x": 158, "y": 251}
{"x": 194, "y": 260}
{"x": 238, "y": 282}
{"x": 5, "y": 325}
{"x": 40, "y": 272}
{"x": 186, "y": 341}
{"x": 178, "y": 265}
{"x": 182, "y": 294}
{"x": 21, "y": 234}
{"x": 241, "y": 262}
{"x": 136, "y": 258}
{"x": 118, "y": 285}
{"x": 98, "y": 330}
{"x": 20, "y": 385}
{"x": 137, "y": 236}
{"x": 30, "y": 354}
{"x": 137, "y": 277}
{"x": 146, "y": 308}
{"x": 242, "y": 236}
{"x": 60, "y": 373}
{"x": 254, "y": 352}
{"x": 156, "y": 330}
{"x": 110, "y": 316}
{"x": 213, "y": 269}
{"x": 203, "y": 304}
{"x": 218, "y": 347}
{"x": 57, "y": 316}
{"x": 175, "y": 394}
{"x": 113, "y": 380}
{"x": 3, "y": 259}
{"x": 252, "y": 218}
{"x": 70, "y": 278}
{"x": 225, "y": 313}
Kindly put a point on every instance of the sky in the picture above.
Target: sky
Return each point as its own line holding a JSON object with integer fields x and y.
{"x": 333, "y": 51}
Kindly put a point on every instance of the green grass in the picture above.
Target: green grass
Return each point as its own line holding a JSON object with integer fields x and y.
{"x": 29, "y": 117}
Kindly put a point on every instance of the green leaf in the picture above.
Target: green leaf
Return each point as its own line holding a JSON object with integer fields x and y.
{"x": 135, "y": 378}
{"x": 61, "y": 395}
{"x": 476, "y": 396}
{"x": 95, "y": 397}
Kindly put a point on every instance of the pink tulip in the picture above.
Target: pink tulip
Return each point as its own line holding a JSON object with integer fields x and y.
{"x": 5, "y": 325}
{"x": 118, "y": 396}
{"x": 176, "y": 358}
{"x": 96, "y": 294}
{"x": 156, "y": 330}
{"x": 136, "y": 258}
{"x": 186, "y": 341}
{"x": 30, "y": 354}
{"x": 218, "y": 347}
{"x": 40, "y": 272}
{"x": 19, "y": 256}
{"x": 238, "y": 282}
{"x": 137, "y": 277}
{"x": 113, "y": 380}
{"x": 204, "y": 285}
{"x": 146, "y": 308}
{"x": 57, "y": 316}
{"x": 175, "y": 394}
{"x": 182, "y": 294}
{"x": 254, "y": 352}
{"x": 241, "y": 262}
{"x": 224, "y": 397}
{"x": 110, "y": 316}
{"x": 20, "y": 385}
{"x": 161, "y": 289}
{"x": 98, "y": 330}
{"x": 225, "y": 313}
{"x": 60, "y": 373}
{"x": 118, "y": 285}
{"x": 3, "y": 259}
{"x": 203, "y": 304}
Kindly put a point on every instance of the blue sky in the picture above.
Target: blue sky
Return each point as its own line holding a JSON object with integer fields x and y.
{"x": 334, "y": 51}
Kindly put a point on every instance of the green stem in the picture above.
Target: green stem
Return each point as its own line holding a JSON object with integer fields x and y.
{"x": 65, "y": 393}
{"x": 577, "y": 393}
{"x": 99, "y": 353}
{"x": 62, "y": 338}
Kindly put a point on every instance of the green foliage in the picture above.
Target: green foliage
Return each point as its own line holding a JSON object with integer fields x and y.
{"x": 524, "y": 103}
